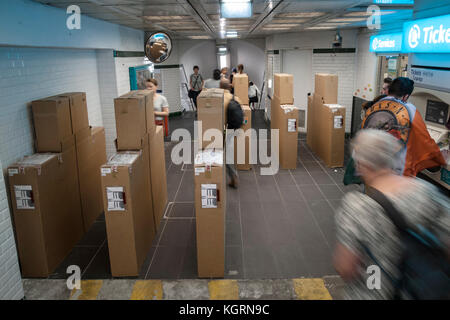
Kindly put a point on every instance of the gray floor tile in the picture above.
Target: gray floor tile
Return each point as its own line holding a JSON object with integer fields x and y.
{"x": 331, "y": 192}
{"x": 233, "y": 233}
{"x": 176, "y": 233}
{"x": 259, "y": 263}
{"x": 311, "y": 193}
{"x": 167, "y": 263}
{"x": 234, "y": 266}
{"x": 182, "y": 210}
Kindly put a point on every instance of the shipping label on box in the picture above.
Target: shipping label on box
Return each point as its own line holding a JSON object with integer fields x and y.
{"x": 292, "y": 125}
{"x": 105, "y": 171}
{"x": 13, "y": 171}
{"x": 209, "y": 196}
{"x": 338, "y": 122}
{"x": 24, "y": 197}
{"x": 116, "y": 198}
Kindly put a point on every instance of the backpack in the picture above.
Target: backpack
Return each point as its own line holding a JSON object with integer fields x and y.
{"x": 424, "y": 265}
{"x": 235, "y": 115}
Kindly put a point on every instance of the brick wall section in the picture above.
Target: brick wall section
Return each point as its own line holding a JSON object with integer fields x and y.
{"x": 27, "y": 74}
{"x": 10, "y": 279}
{"x": 344, "y": 65}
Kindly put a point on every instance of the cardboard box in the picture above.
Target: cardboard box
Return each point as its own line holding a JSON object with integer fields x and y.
{"x": 210, "y": 111}
{"x": 91, "y": 155}
{"x": 246, "y": 140}
{"x": 52, "y": 123}
{"x": 326, "y": 86}
{"x": 240, "y": 85}
{"x": 310, "y": 122}
{"x": 134, "y": 118}
{"x": 47, "y": 212}
{"x": 283, "y": 87}
{"x": 285, "y": 119}
{"x": 128, "y": 211}
{"x": 78, "y": 110}
{"x": 149, "y": 109}
{"x": 158, "y": 175}
{"x": 210, "y": 209}
{"x": 331, "y": 134}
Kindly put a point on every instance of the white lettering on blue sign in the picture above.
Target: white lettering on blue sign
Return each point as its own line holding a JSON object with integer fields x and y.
{"x": 386, "y": 43}
{"x": 428, "y": 35}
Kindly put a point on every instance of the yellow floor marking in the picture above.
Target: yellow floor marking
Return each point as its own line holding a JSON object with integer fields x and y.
{"x": 311, "y": 289}
{"x": 89, "y": 290}
{"x": 147, "y": 290}
{"x": 223, "y": 290}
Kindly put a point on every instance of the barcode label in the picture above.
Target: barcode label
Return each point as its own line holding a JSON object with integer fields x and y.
{"x": 338, "y": 122}
{"x": 209, "y": 196}
{"x": 115, "y": 196}
{"x": 292, "y": 125}
{"x": 105, "y": 171}
{"x": 24, "y": 197}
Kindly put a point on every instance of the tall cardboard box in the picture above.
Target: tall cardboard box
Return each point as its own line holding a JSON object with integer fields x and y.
{"x": 149, "y": 109}
{"x": 78, "y": 110}
{"x": 310, "y": 122}
{"x": 134, "y": 118}
{"x": 128, "y": 211}
{"x": 326, "y": 86}
{"x": 210, "y": 209}
{"x": 285, "y": 119}
{"x": 52, "y": 123}
{"x": 240, "y": 85}
{"x": 91, "y": 155}
{"x": 283, "y": 87}
{"x": 158, "y": 174}
{"x": 46, "y": 206}
{"x": 210, "y": 111}
{"x": 242, "y": 138}
{"x": 331, "y": 134}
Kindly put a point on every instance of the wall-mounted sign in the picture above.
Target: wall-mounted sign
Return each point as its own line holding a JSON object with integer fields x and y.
{"x": 427, "y": 35}
{"x": 386, "y": 42}
{"x": 431, "y": 78}
{"x": 393, "y": 1}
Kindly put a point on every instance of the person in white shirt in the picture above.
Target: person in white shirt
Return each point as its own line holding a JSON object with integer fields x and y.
{"x": 214, "y": 82}
{"x": 160, "y": 104}
{"x": 253, "y": 93}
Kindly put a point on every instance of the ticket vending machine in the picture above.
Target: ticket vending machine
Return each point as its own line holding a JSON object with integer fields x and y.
{"x": 433, "y": 105}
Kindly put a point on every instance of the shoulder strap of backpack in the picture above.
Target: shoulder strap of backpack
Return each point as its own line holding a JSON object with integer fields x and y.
{"x": 391, "y": 212}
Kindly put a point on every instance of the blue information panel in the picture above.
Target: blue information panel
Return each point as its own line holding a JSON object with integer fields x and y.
{"x": 386, "y": 42}
{"x": 427, "y": 35}
{"x": 393, "y": 1}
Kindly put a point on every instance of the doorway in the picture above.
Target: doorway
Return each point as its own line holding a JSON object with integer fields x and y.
{"x": 392, "y": 67}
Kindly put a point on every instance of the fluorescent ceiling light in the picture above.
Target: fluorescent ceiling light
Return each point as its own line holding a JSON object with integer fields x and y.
{"x": 347, "y": 20}
{"x": 231, "y": 34}
{"x": 320, "y": 28}
{"x": 222, "y": 49}
{"x": 236, "y": 8}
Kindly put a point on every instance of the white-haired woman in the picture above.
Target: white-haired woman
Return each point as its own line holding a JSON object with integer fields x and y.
{"x": 365, "y": 234}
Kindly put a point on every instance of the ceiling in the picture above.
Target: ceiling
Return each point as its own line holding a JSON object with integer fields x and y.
{"x": 200, "y": 19}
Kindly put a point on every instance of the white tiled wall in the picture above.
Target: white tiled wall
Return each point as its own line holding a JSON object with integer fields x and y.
{"x": 27, "y": 74}
{"x": 10, "y": 279}
{"x": 108, "y": 92}
{"x": 342, "y": 64}
{"x": 366, "y": 77}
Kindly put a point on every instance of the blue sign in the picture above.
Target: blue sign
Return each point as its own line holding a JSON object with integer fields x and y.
{"x": 427, "y": 35}
{"x": 393, "y": 1}
{"x": 386, "y": 42}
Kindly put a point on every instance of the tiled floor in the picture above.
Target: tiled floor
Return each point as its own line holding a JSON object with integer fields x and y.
{"x": 277, "y": 227}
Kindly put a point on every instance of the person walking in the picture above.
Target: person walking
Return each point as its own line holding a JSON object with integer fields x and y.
{"x": 386, "y": 228}
{"x": 253, "y": 93}
{"x": 214, "y": 82}
{"x": 196, "y": 84}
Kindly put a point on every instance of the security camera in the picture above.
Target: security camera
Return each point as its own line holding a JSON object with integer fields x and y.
{"x": 337, "y": 42}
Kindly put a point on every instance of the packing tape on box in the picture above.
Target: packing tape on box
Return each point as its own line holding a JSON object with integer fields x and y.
{"x": 288, "y": 108}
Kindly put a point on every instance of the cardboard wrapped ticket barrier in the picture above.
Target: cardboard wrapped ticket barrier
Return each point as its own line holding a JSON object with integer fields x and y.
{"x": 128, "y": 211}
{"x": 134, "y": 118}
{"x": 210, "y": 114}
{"x": 331, "y": 137}
{"x": 240, "y": 85}
{"x": 47, "y": 211}
{"x": 57, "y": 118}
{"x": 283, "y": 87}
{"x": 285, "y": 119}
{"x": 91, "y": 154}
{"x": 326, "y": 86}
{"x": 210, "y": 209}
